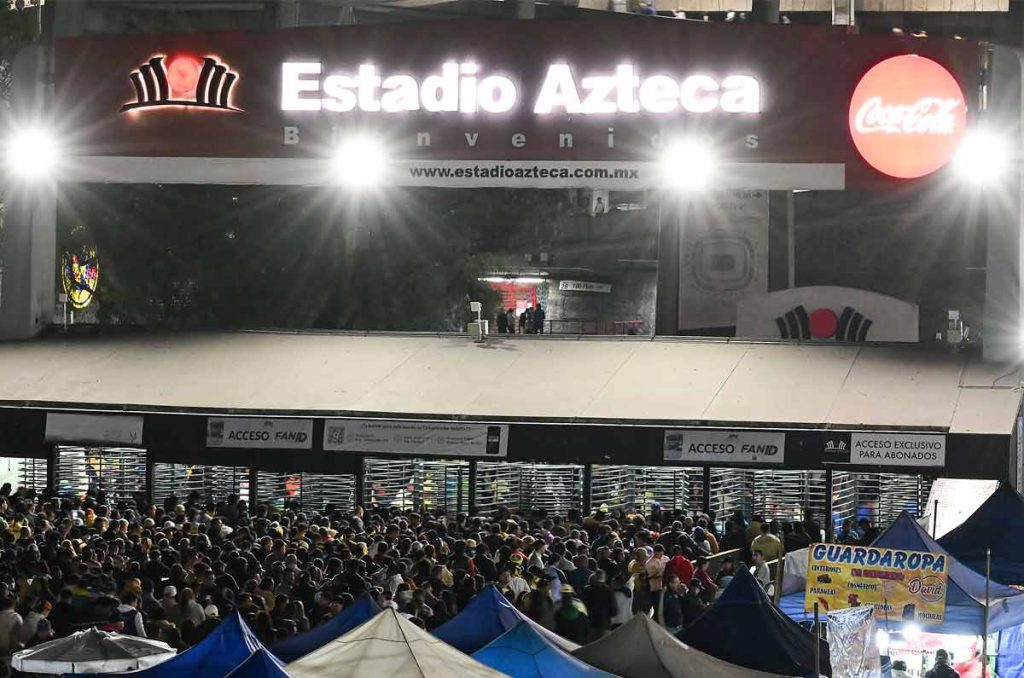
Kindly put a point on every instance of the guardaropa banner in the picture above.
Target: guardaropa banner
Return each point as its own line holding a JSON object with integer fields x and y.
{"x": 901, "y": 585}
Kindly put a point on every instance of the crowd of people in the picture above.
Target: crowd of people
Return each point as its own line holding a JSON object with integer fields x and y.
{"x": 173, "y": 571}
{"x": 530, "y": 321}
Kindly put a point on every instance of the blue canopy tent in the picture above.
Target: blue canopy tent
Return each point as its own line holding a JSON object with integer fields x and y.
{"x": 523, "y": 652}
{"x": 743, "y": 627}
{"x": 260, "y": 664}
{"x": 485, "y": 618}
{"x": 965, "y": 597}
{"x": 221, "y": 652}
{"x": 362, "y": 609}
{"x": 997, "y": 524}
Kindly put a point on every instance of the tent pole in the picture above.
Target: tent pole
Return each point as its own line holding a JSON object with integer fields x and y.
{"x": 935, "y": 517}
{"x": 817, "y": 643}
{"x": 984, "y": 638}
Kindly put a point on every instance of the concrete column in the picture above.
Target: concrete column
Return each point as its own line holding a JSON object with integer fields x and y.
{"x": 666, "y": 315}
{"x": 28, "y": 253}
{"x": 781, "y": 259}
{"x": 1003, "y": 213}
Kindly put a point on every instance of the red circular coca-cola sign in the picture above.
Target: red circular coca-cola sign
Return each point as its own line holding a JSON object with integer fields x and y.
{"x": 907, "y": 116}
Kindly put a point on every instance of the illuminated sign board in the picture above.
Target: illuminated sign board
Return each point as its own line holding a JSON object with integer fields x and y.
{"x": 182, "y": 80}
{"x": 907, "y": 116}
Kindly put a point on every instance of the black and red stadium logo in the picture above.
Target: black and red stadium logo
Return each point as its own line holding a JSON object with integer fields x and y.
{"x": 824, "y": 324}
{"x": 183, "y": 80}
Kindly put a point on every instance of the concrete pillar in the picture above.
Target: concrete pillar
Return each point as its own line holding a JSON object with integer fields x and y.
{"x": 28, "y": 290}
{"x": 1003, "y": 214}
{"x": 666, "y": 314}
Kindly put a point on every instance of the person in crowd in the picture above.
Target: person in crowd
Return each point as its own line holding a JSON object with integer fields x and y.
{"x": 510, "y": 320}
{"x": 539, "y": 604}
{"x": 725, "y": 573}
{"x": 670, "y": 605}
{"x": 693, "y": 604}
{"x": 942, "y": 669}
{"x": 734, "y": 538}
{"x": 754, "y": 529}
{"x": 538, "y": 319}
{"x": 848, "y": 533}
{"x": 638, "y": 578}
{"x": 43, "y": 634}
{"x": 572, "y": 620}
{"x": 10, "y": 632}
{"x": 601, "y": 605}
{"x": 767, "y": 543}
{"x": 868, "y": 533}
{"x": 700, "y": 574}
{"x": 899, "y": 669}
{"x": 623, "y": 602}
{"x": 796, "y": 538}
{"x": 502, "y": 321}
{"x": 760, "y": 570}
{"x": 131, "y": 617}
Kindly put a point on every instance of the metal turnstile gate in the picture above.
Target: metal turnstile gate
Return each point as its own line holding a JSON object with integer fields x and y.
{"x": 26, "y": 472}
{"x": 776, "y": 494}
{"x": 789, "y": 496}
{"x": 213, "y": 483}
{"x": 417, "y": 484}
{"x": 638, "y": 487}
{"x": 883, "y": 496}
{"x": 556, "y": 489}
{"x": 119, "y": 472}
{"x": 307, "y": 491}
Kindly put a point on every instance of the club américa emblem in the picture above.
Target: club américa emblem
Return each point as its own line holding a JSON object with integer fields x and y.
{"x": 183, "y": 80}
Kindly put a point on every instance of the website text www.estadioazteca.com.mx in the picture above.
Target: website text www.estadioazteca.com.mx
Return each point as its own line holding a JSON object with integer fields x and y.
{"x": 520, "y": 172}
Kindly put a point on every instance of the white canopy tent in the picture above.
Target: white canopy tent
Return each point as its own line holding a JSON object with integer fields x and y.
{"x": 391, "y": 646}
{"x": 93, "y": 651}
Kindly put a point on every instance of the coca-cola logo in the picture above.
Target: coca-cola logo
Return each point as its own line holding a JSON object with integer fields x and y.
{"x": 907, "y": 116}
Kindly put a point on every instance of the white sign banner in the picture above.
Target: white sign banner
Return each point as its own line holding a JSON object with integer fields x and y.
{"x": 416, "y": 437}
{"x": 254, "y": 432}
{"x": 898, "y": 449}
{"x": 725, "y": 447}
{"x": 583, "y": 286}
{"x": 723, "y": 255}
{"x": 93, "y": 428}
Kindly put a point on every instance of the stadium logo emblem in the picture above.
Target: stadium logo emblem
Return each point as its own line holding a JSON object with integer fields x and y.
{"x": 823, "y": 324}
{"x": 182, "y": 80}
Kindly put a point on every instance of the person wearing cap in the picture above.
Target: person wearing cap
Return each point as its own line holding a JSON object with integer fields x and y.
{"x": 168, "y": 601}
{"x": 571, "y": 620}
{"x": 942, "y": 669}
{"x": 538, "y": 604}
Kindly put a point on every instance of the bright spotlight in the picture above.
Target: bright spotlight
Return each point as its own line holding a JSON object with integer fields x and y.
{"x": 911, "y": 631}
{"x": 982, "y": 158}
{"x": 359, "y": 162}
{"x": 31, "y": 153}
{"x": 688, "y": 165}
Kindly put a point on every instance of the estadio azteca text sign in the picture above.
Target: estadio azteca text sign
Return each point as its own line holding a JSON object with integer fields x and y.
{"x": 600, "y": 90}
